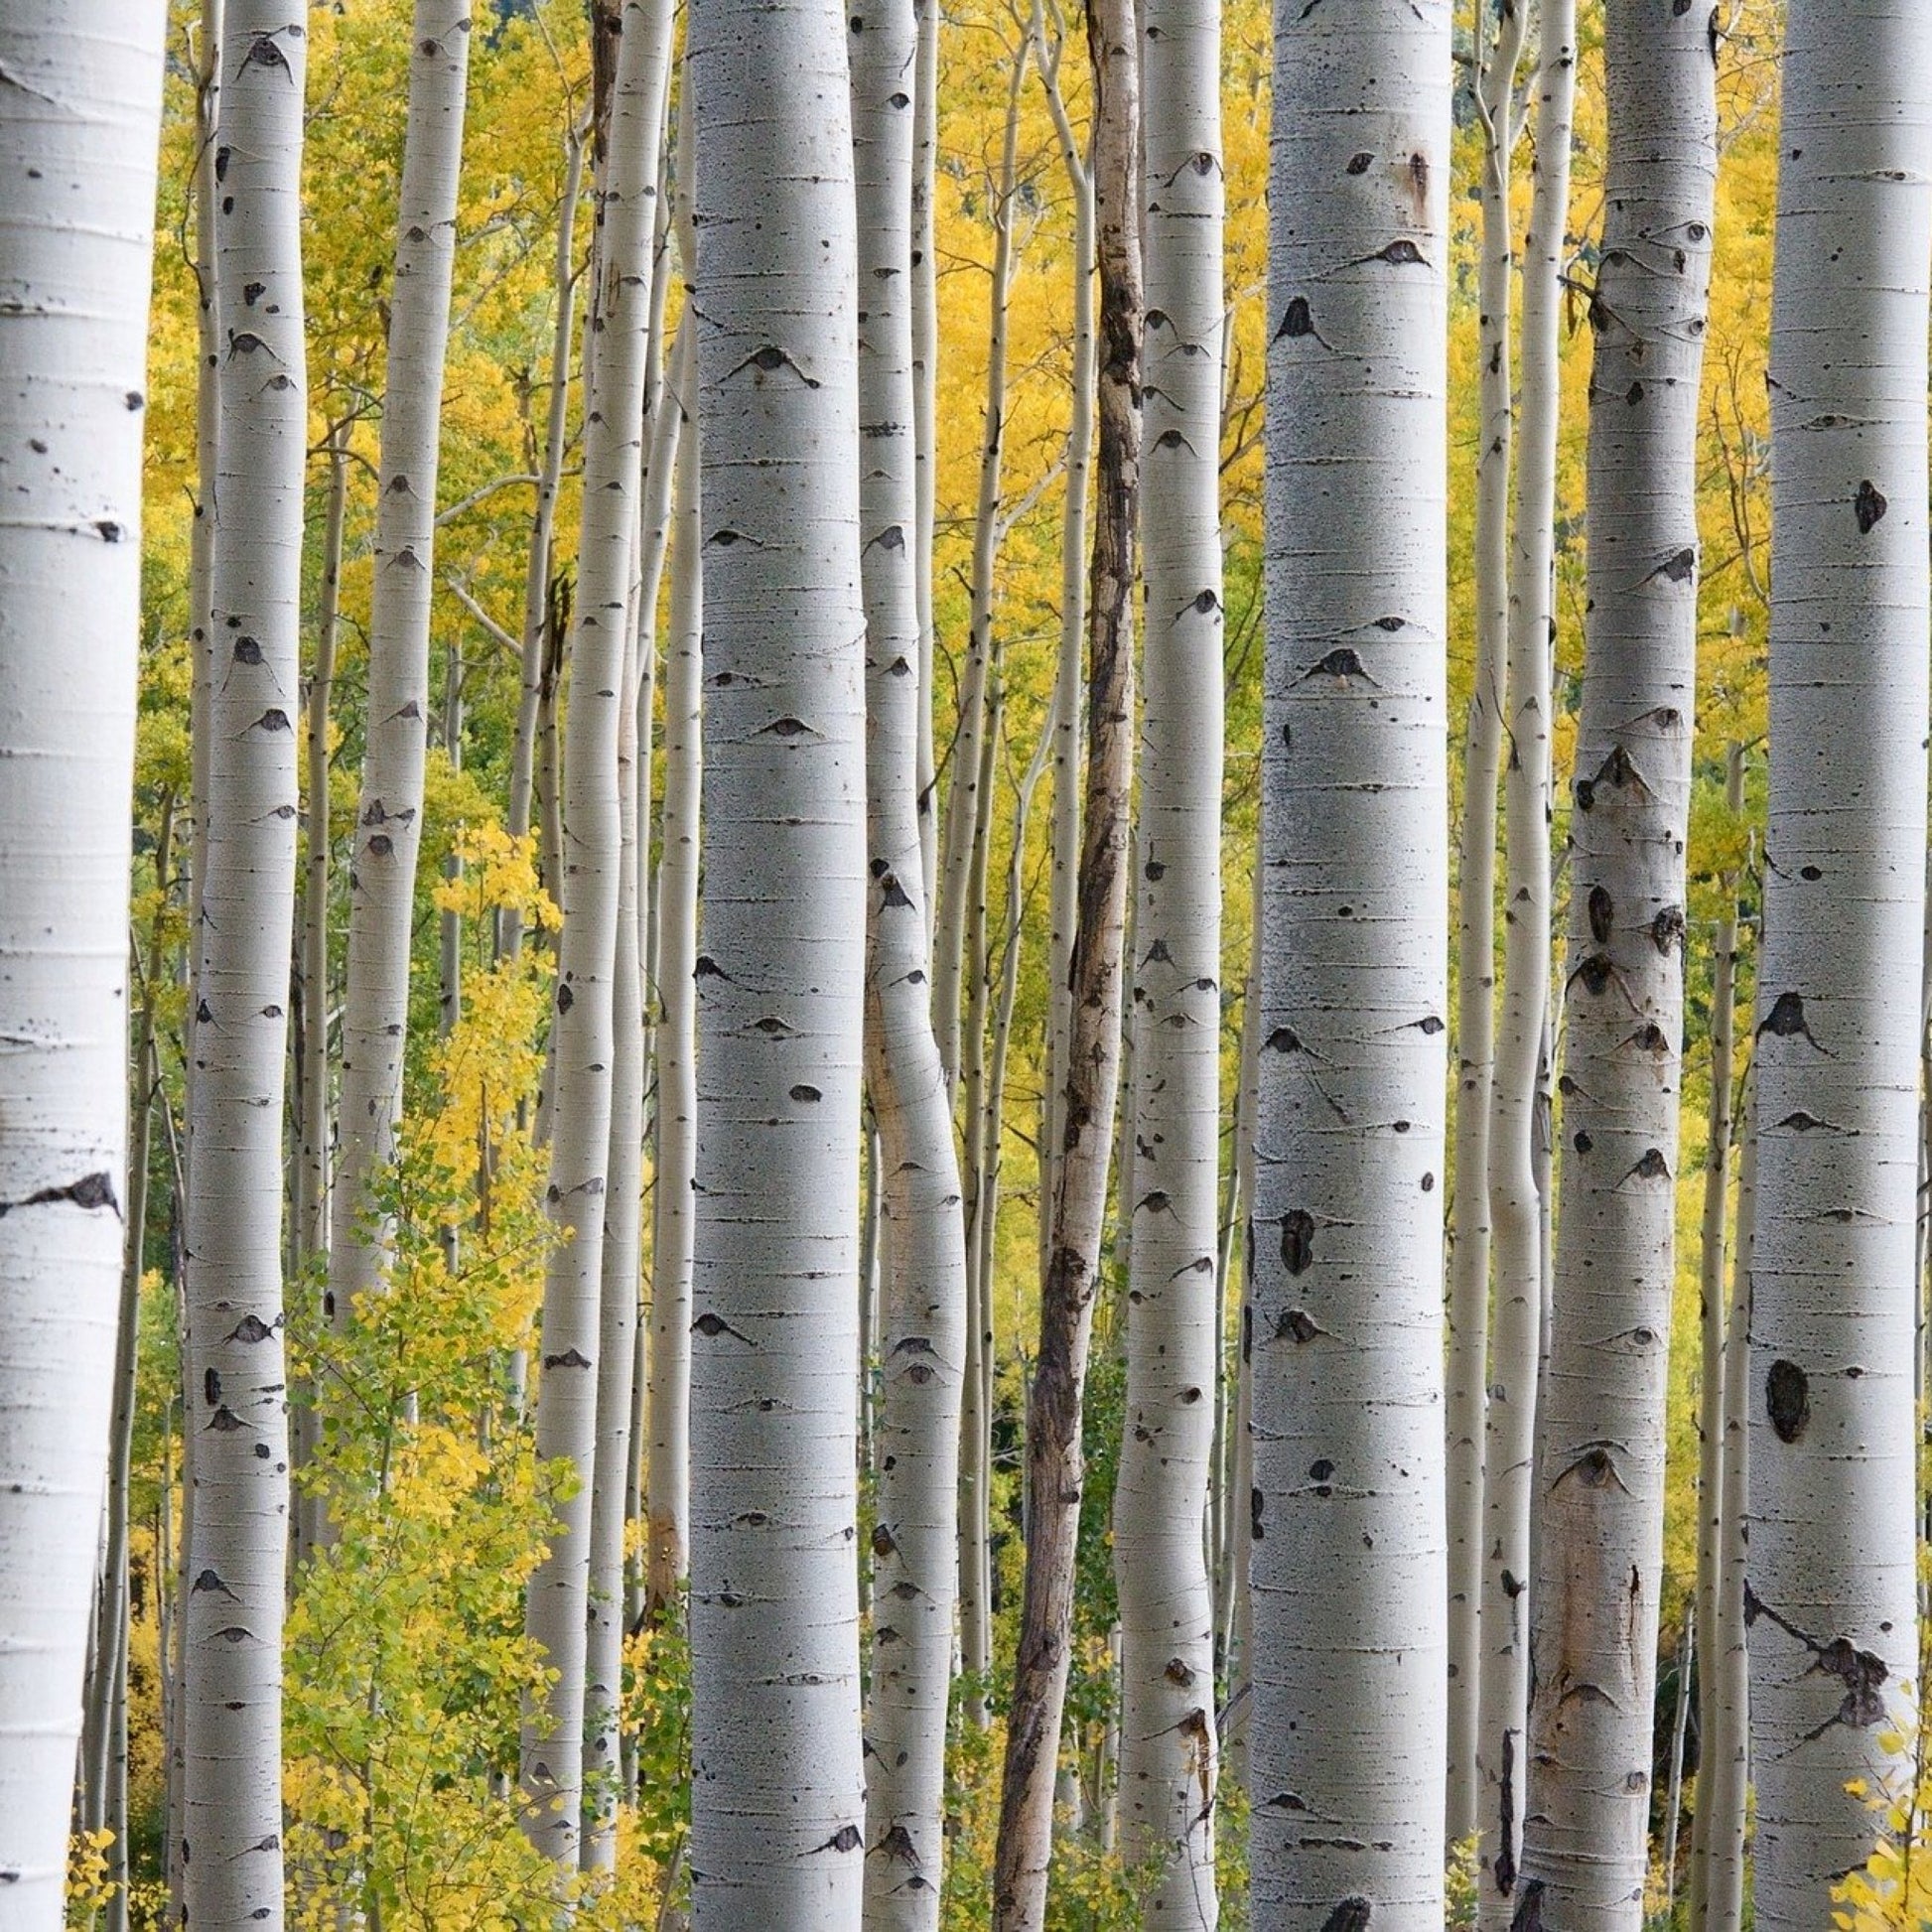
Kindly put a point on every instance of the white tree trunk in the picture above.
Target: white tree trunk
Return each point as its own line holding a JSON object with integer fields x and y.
{"x": 925, "y": 410}
{"x": 1475, "y": 906}
{"x": 1833, "y": 1443}
{"x": 1515, "y": 1195}
{"x": 231, "y": 1859}
{"x": 922, "y": 1345}
{"x": 1597, "y": 1593}
{"x": 1350, "y": 1578}
{"x": 778, "y": 1803}
{"x": 389, "y": 816}
{"x": 581, "y": 1032}
{"x": 669, "y": 1471}
{"x": 1170, "y": 1760}
{"x": 79, "y": 125}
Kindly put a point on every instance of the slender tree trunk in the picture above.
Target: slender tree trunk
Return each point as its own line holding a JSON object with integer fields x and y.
{"x": 955, "y": 858}
{"x": 1064, "y": 845}
{"x": 1348, "y": 1752}
{"x": 668, "y": 1472}
{"x": 1169, "y": 1762}
{"x": 583, "y": 1031}
{"x": 1598, "y": 1585}
{"x": 926, "y": 412}
{"x": 1833, "y": 1604}
{"x": 777, "y": 1815}
{"x": 310, "y": 1192}
{"x": 915, "y": 1171}
{"x": 1724, "y": 1782}
{"x": 536, "y": 569}
{"x": 389, "y": 817}
{"x": 1475, "y": 907}
{"x": 1674, "y": 1797}
{"x": 1713, "y": 1395}
{"x": 1515, "y": 1199}
{"x": 231, "y": 1856}
{"x": 1055, "y": 1464}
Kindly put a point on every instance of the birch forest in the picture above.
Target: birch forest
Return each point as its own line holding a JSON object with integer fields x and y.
{"x": 965, "y": 965}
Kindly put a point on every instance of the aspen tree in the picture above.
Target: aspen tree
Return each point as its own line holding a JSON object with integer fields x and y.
{"x": 778, "y": 1827}
{"x": 230, "y": 1850}
{"x": 922, "y": 1336}
{"x": 1516, "y": 1184}
{"x": 1085, "y": 1109}
{"x": 1350, "y": 1576}
{"x": 924, "y": 300}
{"x": 389, "y": 816}
{"x": 1168, "y": 1751}
{"x": 1476, "y": 900}
{"x": 581, "y": 1032}
{"x": 80, "y": 127}
{"x": 1599, "y": 1577}
{"x": 1832, "y": 1601}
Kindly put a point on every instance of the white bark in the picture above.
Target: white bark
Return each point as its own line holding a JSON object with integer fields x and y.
{"x": 80, "y": 125}
{"x": 914, "y": 1572}
{"x": 925, "y": 410}
{"x": 777, "y": 1800}
{"x": 669, "y": 1471}
{"x": 389, "y": 815}
{"x": 1475, "y": 903}
{"x": 231, "y": 1859}
{"x": 1515, "y": 1196}
{"x": 582, "y": 1032}
{"x": 1349, "y": 1583}
{"x": 1600, "y": 1576}
{"x": 1169, "y": 1762}
{"x": 1832, "y": 1603}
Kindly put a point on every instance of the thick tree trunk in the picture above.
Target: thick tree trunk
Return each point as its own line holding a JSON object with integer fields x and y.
{"x": 582, "y": 1032}
{"x": 389, "y": 817}
{"x": 1168, "y": 1763}
{"x": 915, "y": 1171}
{"x": 1475, "y": 906}
{"x": 1515, "y": 1192}
{"x": 777, "y": 1805}
{"x": 1349, "y": 1562}
{"x": 232, "y": 1857}
{"x": 1833, "y": 1604}
{"x": 1600, "y": 1576}
{"x": 1085, "y": 1110}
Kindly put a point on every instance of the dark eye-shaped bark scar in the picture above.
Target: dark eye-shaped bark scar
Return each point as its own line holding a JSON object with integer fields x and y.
{"x": 1344, "y": 663}
{"x": 712, "y": 1325}
{"x": 1862, "y": 1671}
{"x": 1400, "y": 253}
{"x": 1298, "y": 319}
{"x": 768, "y": 360}
{"x": 1786, "y": 1021}
{"x": 90, "y": 1192}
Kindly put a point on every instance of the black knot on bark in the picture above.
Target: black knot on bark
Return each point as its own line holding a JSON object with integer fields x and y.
{"x": 1787, "y": 1400}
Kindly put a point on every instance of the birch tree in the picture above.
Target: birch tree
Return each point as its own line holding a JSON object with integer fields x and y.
{"x": 80, "y": 126}
{"x": 916, "y": 1171}
{"x": 582, "y": 1030}
{"x": 778, "y": 1827}
{"x": 1516, "y": 1193}
{"x": 1168, "y": 1750}
{"x": 389, "y": 816}
{"x": 1475, "y": 902}
{"x": 1085, "y": 1108}
{"x": 1600, "y": 1574}
{"x": 1830, "y": 1597}
{"x": 1348, "y": 1565}
{"x": 230, "y": 1854}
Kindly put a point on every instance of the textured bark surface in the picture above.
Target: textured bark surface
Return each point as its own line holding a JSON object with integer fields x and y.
{"x": 1599, "y": 1569}
{"x": 1350, "y": 1576}
{"x": 1518, "y": 1165}
{"x": 1475, "y": 906}
{"x": 80, "y": 126}
{"x": 1169, "y": 1760}
{"x": 582, "y": 1035}
{"x": 1830, "y": 1597}
{"x": 778, "y": 1832}
{"x": 389, "y": 815}
{"x": 1054, "y": 1465}
{"x": 232, "y": 1859}
{"x": 921, "y": 1337}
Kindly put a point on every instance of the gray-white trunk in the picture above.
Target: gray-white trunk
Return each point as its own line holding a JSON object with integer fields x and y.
{"x": 1349, "y": 1583}
{"x": 1832, "y": 1603}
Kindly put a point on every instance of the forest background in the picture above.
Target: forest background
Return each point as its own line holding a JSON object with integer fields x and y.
{"x": 406, "y": 1655}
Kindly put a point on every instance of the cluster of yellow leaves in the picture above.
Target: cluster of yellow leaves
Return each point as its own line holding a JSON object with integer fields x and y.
{"x": 1893, "y": 1888}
